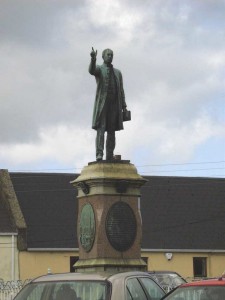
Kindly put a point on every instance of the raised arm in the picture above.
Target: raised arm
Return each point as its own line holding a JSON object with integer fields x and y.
{"x": 92, "y": 67}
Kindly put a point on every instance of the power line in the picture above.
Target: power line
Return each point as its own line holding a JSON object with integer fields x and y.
{"x": 187, "y": 170}
{"x": 182, "y": 164}
{"x": 141, "y": 166}
{"x": 150, "y": 173}
{"x": 43, "y": 170}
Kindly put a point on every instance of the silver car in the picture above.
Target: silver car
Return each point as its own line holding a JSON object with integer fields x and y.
{"x": 92, "y": 286}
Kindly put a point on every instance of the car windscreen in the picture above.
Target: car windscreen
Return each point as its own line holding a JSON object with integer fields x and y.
{"x": 67, "y": 290}
{"x": 168, "y": 281}
{"x": 198, "y": 293}
{"x": 177, "y": 280}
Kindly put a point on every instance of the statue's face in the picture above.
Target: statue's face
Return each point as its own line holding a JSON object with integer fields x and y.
{"x": 108, "y": 57}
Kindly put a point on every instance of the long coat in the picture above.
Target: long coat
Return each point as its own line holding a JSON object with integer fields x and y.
{"x": 102, "y": 80}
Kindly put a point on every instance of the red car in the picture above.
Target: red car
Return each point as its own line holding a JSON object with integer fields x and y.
{"x": 210, "y": 289}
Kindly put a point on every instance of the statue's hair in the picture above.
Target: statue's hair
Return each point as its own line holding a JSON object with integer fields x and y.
{"x": 104, "y": 51}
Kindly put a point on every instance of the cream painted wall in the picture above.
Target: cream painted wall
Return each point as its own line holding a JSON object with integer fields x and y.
{"x": 183, "y": 263}
{"x": 8, "y": 253}
{"x": 216, "y": 264}
{"x": 33, "y": 264}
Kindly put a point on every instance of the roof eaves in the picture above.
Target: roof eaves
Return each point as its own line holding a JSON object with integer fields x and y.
{"x": 185, "y": 250}
{"x": 52, "y": 249}
{"x": 8, "y": 233}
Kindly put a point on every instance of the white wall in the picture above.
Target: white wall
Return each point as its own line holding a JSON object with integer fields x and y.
{"x": 9, "y": 269}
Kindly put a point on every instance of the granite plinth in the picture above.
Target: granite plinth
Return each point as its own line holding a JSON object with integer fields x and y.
{"x": 104, "y": 186}
{"x": 109, "y": 178}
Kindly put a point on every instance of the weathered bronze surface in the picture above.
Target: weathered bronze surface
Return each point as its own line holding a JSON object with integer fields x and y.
{"x": 87, "y": 227}
{"x": 110, "y": 105}
{"x": 121, "y": 226}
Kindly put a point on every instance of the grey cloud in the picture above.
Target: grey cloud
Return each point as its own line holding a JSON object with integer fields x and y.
{"x": 163, "y": 63}
{"x": 33, "y": 22}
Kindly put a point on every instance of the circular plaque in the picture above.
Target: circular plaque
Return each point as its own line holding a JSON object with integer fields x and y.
{"x": 87, "y": 227}
{"x": 121, "y": 226}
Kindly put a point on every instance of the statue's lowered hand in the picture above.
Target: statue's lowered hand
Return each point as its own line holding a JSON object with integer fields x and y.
{"x": 93, "y": 53}
{"x": 126, "y": 114}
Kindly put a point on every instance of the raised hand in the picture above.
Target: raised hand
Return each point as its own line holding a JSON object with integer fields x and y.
{"x": 93, "y": 53}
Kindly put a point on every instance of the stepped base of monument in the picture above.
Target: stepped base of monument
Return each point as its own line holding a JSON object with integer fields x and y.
{"x": 110, "y": 265}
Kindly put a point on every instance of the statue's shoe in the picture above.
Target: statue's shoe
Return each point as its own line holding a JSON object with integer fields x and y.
{"x": 99, "y": 157}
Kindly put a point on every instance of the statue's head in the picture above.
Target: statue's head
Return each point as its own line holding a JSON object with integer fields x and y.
{"x": 107, "y": 56}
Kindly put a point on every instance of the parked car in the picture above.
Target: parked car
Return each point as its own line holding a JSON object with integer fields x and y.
{"x": 168, "y": 280}
{"x": 208, "y": 289}
{"x": 92, "y": 286}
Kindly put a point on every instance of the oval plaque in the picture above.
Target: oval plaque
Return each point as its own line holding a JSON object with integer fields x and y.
{"x": 87, "y": 227}
{"x": 121, "y": 226}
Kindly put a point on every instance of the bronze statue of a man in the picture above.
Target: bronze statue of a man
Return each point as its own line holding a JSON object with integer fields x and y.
{"x": 109, "y": 103}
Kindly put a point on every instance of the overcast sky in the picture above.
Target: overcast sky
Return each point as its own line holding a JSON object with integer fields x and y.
{"x": 172, "y": 57}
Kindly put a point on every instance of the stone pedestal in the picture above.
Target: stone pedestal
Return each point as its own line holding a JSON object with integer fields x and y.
{"x": 109, "y": 220}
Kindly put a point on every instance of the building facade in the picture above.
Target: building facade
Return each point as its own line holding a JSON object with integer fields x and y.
{"x": 183, "y": 224}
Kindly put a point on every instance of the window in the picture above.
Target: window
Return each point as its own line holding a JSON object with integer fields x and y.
{"x": 134, "y": 290}
{"x": 153, "y": 289}
{"x": 139, "y": 288}
{"x": 88, "y": 290}
{"x": 199, "y": 266}
{"x": 73, "y": 260}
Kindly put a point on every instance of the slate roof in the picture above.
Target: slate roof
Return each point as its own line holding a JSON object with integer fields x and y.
{"x": 183, "y": 213}
{"x": 49, "y": 205}
{"x": 177, "y": 212}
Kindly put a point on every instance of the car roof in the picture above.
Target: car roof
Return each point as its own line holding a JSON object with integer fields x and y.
{"x": 88, "y": 276}
{"x": 206, "y": 282}
{"x": 163, "y": 272}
